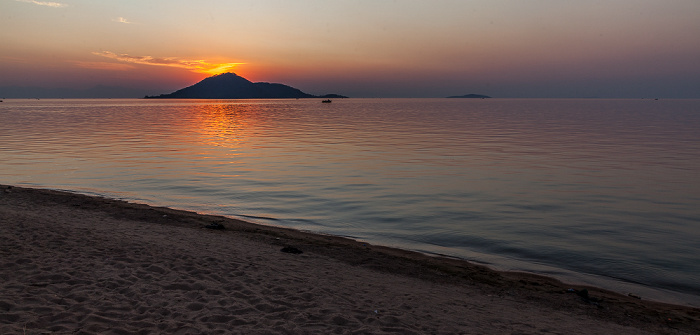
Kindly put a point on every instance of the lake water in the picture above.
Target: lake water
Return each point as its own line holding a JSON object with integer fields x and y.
{"x": 604, "y": 192}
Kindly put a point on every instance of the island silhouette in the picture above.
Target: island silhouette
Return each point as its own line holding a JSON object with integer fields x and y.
{"x": 470, "y": 96}
{"x": 232, "y": 86}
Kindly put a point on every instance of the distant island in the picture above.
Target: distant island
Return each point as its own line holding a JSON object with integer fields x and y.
{"x": 470, "y": 96}
{"x": 232, "y": 86}
{"x": 332, "y": 96}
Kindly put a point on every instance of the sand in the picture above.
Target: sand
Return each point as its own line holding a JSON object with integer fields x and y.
{"x": 74, "y": 264}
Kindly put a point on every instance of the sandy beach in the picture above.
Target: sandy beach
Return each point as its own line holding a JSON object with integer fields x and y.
{"x": 74, "y": 264}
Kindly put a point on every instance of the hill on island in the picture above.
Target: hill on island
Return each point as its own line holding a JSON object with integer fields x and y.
{"x": 232, "y": 86}
{"x": 471, "y": 96}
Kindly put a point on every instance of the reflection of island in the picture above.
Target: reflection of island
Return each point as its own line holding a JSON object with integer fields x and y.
{"x": 232, "y": 86}
{"x": 471, "y": 96}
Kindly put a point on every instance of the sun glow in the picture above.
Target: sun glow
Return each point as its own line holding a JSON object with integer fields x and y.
{"x": 223, "y": 124}
{"x": 220, "y": 68}
{"x": 194, "y": 65}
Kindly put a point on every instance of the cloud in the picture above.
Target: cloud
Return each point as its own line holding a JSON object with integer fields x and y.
{"x": 44, "y": 3}
{"x": 121, "y": 20}
{"x": 199, "y": 66}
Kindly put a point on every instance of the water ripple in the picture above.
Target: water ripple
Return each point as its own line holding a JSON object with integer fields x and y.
{"x": 588, "y": 190}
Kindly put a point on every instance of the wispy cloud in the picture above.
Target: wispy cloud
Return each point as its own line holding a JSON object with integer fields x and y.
{"x": 45, "y": 3}
{"x": 200, "y": 66}
{"x": 121, "y": 20}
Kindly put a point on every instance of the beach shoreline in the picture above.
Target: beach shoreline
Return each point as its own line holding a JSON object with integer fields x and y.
{"x": 77, "y": 263}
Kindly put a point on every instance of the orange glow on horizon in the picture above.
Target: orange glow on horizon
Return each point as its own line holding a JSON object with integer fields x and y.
{"x": 194, "y": 65}
{"x": 219, "y": 68}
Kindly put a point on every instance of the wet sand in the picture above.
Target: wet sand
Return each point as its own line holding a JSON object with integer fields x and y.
{"x": 74, "y": 264}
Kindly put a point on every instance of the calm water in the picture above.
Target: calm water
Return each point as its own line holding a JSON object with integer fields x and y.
{"x": 605, "y": 192}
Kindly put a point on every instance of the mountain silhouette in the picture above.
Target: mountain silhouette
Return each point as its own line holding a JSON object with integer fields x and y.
{"x": 232, "y": 86}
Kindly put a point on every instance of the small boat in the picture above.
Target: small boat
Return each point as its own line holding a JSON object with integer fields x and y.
{"x": 326, "y": 101}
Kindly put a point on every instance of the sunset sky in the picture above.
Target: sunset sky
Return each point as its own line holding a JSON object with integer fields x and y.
{"x": 361, "y": 48}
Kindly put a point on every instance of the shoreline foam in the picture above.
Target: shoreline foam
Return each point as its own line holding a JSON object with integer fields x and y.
{"x": 73, "y": 262}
